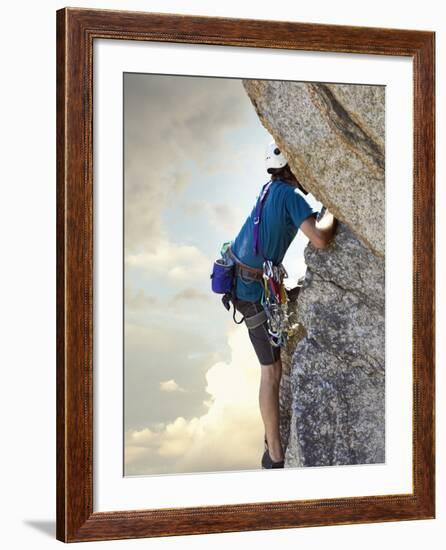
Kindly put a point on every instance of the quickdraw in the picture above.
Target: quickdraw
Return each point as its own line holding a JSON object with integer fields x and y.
{"x": 275, "y": 302}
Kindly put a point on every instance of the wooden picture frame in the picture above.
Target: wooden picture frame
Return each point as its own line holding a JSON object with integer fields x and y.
{"x": 76, "y": 31}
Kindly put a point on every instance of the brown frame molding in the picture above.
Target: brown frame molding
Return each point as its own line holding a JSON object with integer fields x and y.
{"x": 76, "y": 31}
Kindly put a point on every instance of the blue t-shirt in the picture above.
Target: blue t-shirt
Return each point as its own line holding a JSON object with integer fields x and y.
{"x": 283, "y": 212}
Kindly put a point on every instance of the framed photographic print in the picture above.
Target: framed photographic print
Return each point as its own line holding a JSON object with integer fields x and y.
{"x": 245, "y": 275}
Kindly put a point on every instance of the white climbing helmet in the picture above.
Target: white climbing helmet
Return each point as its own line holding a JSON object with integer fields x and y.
{"x": 274, "y": 157}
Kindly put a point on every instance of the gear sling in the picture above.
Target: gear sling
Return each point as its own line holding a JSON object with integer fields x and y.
{"x": 274, "y": 297}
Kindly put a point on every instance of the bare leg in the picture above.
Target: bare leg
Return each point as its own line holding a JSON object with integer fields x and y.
{"x": 269, "y": 407}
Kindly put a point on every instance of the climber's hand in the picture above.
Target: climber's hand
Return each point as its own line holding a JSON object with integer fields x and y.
{"x": 319, "y": 232}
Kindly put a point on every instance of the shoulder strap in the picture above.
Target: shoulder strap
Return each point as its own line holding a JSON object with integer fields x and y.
{"x": 258, "y": 216}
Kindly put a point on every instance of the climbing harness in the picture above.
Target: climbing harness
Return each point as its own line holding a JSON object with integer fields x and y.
{"x": 274, "y": 298}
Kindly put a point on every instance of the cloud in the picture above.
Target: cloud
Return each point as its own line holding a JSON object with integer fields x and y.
{"x": 173, "y": 125}
{"x": 138, "y": 300}
{"x": 171, "y": 386}
{"x": 162, "y": 344}
{"x": 190, "y": 294}
{"x": 177, "y": 262}
{"x": 228, "y": 436}
{"x": 220, "y": 215}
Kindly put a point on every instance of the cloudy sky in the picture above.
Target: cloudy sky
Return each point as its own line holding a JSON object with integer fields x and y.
{"x": 193, "y": 166}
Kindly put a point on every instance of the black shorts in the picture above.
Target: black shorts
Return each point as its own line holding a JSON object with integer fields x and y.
{"x": 266, "y": 352}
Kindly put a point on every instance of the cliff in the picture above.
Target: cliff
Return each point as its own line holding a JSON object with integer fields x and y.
{"x": 332, "y": 389}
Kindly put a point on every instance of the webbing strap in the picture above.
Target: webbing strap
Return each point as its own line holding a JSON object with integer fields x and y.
{"x": 253, "y": 270}
{"x": 258, "y": 216}
{"x": 256, "y": 320}
{"x": 233, "y": 316}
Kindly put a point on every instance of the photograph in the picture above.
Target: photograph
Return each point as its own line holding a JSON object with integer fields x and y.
{"x": 254, "y": 274}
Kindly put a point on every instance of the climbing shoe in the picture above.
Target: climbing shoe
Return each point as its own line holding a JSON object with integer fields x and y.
{"x": 268, "y": 463}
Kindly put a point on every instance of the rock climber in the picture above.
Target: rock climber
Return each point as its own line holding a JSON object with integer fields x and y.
{"x": 284, "y": 211}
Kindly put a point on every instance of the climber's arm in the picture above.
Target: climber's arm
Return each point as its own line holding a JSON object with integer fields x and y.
{"x": 319, "y": 232}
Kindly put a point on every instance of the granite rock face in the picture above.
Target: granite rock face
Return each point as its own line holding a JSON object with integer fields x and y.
{"x": 332, "y": 396}
{"x": 333, "y": 138}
